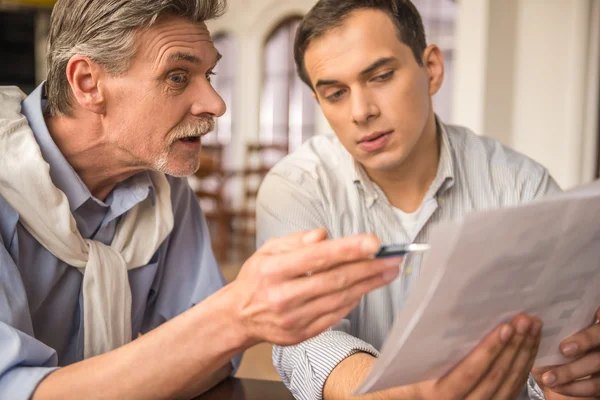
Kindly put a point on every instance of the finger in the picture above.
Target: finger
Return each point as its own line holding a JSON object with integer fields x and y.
{"x": 298, "y": 291}
{"x": 567, "y": 373}
{"x": 582, "y": 342}
{"x": 518, "y": 374}
{"x": 497, "y": 373}
{"x": 326, "y": 311}
{"x": 327, "y": 320}
{"x": 293, "y": 241}
{"x": 537, "y": 372}
{"x": 306, "y": 315}
{"x": 522, "y": 384}
{"x": 327, "y": 254}
{"x": 311, "y": 327}
{"x": 464, "y": 377}
{"x": 584, "y": 388}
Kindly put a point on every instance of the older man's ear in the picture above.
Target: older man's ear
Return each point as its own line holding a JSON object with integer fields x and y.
{"x": 85, "y": 77}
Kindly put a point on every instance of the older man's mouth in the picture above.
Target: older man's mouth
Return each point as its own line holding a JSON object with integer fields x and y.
{"x": 191, "y": 139}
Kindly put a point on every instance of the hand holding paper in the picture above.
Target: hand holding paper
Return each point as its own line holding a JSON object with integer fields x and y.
{"x": 580, "y": 377}
{"x": 540, "y": 259}
{"x": 496, "y": 369}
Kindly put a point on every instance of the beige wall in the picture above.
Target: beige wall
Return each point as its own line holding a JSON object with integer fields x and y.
{"x": 527, "y": 75}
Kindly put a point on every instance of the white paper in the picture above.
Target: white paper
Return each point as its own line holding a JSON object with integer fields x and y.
{"x": 542, "y": 259}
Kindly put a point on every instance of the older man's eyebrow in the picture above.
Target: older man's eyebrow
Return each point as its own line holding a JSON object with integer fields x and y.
{"x": 185, "y": 57}
{"x": 191, "y": 58}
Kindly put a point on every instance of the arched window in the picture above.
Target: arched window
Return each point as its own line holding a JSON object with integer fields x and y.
{"x": 287, "y": 109}
{"x": 439, "y": 18}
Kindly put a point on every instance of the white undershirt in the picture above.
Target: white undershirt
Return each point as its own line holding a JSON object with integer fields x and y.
{"x": 409, "y": 221}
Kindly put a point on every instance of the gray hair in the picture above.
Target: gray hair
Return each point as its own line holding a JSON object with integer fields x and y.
{"x": 105, "y": 31}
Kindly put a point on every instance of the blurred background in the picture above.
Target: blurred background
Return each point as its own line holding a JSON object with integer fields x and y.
{"x": 525, "y": 72}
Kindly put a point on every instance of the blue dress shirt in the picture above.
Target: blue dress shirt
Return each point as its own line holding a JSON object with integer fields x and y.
{"x": 41, "y": 305}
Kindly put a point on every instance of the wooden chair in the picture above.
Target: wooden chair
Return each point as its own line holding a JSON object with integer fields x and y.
{"x": 260, "y": 158}
{"x": 233, "y": 229}
{"x": 209, "y": 190}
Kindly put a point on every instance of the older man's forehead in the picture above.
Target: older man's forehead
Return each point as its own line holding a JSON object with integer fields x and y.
{"x": 178, "y": 39}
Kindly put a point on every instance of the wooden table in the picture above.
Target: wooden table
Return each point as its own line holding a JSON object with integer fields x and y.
{"x": 248, "y": 389}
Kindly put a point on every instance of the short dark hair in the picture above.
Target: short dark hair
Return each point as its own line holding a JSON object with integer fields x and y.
{"x": 329, "y": 14}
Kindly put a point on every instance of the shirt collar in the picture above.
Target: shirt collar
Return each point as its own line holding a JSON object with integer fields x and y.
{"x": 61, "y": 172}
{"x": 443, "y": 180}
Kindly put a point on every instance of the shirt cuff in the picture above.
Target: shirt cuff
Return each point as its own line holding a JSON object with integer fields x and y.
{"x": 304, "y": 368}
{"x": 533, "y": 390}
{"x": 20, "y": 383}
{"x": 235, "y": 363}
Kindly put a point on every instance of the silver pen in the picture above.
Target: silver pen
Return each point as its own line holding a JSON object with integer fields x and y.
{"x": 398, "y": 250}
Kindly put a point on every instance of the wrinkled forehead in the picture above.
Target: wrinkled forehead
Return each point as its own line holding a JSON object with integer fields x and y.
{"x": 176, "y": 39}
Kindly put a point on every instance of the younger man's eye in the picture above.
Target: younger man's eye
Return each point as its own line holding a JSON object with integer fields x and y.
{"x": 384, "y": 77}
{"x": 335, "y": 96}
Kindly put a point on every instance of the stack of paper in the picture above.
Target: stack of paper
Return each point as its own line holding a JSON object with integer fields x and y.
{"x": 542, "y": 259}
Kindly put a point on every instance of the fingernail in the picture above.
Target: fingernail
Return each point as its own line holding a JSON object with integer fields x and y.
{"x": 549, "y": 378}
{"x": 390, "y": 274}
{"x": 312, "y": 236}
{"x": 392, "y": 262}
{"x": 523, "y": 326}
{"x": 506, "y": 332}
{"x": 369, "y": 245}
{"x": 570, "y": 349}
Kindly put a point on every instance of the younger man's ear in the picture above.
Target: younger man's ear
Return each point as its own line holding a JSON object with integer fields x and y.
{"x": 433, "y": 62}
{"x": 84, "y": 76}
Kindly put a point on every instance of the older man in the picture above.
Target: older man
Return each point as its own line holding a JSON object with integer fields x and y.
{"x": 99, "y": 239}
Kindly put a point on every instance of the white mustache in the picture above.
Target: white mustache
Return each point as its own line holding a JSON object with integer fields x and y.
{"x": 200, "y": 128}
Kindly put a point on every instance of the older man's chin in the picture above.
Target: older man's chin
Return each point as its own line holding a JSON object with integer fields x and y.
{"x": 180, "y": 170}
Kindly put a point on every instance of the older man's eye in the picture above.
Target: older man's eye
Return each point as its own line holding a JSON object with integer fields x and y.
{"x": 178, "y": 79}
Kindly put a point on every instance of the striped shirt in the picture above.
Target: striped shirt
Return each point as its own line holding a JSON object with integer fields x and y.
{"x": 321, "y": 185}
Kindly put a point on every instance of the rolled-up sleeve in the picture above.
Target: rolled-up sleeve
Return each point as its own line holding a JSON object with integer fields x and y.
{"x": 285, "y": 205}
{"x": 304, "y": 368}
{"x": 24, "y": 361}
{"x": 533, "y": 390}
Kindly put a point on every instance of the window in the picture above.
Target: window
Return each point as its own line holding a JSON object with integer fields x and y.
{"x": 287, "y": 109}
